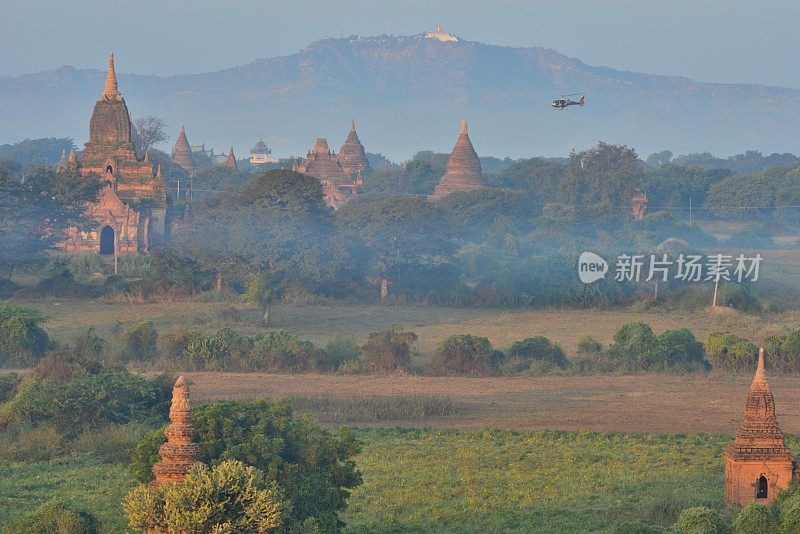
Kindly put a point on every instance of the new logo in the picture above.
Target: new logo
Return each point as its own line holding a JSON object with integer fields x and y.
{"x": 591, "y": 267}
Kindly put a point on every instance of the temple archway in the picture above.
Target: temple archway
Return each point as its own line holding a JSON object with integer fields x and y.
{"x": 107, "y": 240}
{"x": 762, "y": 487}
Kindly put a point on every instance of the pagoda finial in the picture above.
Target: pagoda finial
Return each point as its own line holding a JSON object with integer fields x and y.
{"x": 760, "y": 375}
{"x": 353, "y": 126}
{"x": 158, "y": 172}
{"x": 110, "y": 90}
{"x": 147, "y": 156}
{"x": 464, "y": 127}
{"x": 73, "y": 157}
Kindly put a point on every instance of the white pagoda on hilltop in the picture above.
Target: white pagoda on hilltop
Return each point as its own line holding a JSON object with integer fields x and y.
{"x": 441, "y": 35}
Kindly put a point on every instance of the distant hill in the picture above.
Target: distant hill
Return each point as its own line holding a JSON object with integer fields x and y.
{"x": 409, "y": 94}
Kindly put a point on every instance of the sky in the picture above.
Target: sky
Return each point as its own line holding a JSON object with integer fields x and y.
{"x": 731, "y": 41}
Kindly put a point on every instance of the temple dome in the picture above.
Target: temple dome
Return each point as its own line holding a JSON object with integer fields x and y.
{"x": 463, "y": 172}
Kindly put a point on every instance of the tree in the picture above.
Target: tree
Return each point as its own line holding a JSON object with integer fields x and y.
{"x": 149, "y": 131}
{"x": 46, "y": 203}
{"x": 229, "y": 497}
{"x": 601, "y": 181}
{"x": 657, "y": 159}
{"x": 754, "y": 518}
{"x": 398, "y": 231}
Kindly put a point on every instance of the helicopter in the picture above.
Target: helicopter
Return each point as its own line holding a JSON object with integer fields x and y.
{"x": 561, "y": 103}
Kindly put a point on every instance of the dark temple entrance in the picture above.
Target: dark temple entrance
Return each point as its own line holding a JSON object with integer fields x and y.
{"x": 761, "y": 487}
{"x": 107, "y": 240}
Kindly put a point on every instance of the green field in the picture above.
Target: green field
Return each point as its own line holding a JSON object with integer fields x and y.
{"x": 460, "y": 481}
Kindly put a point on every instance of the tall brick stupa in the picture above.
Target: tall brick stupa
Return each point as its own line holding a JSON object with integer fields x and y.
{"x": 758, "y": 464}
{"x": 352, "y": 155}
{"x": 463, "y": 171}
{"x": 179, "y": 453}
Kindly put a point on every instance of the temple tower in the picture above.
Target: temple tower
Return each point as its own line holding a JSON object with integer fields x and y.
{"x": 110, "y": 153}
{"x": 179, "y": 453}
{"x": 182, "y": 152}
{"x": 352, "y": 156}
{"x": 231, "y": 161}
{"x": 463, "y": 171}
{"x": 757, "y": 463}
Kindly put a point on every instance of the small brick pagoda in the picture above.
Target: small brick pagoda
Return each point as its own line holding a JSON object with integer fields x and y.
{"x": 352, "y": 155}
{"x": 463, "y": 171}
{"x": 231, "y": 161}
{"x": 182, "y": 152}
{"x": 130, "y": 211}
{"x": 179, "y": 453}
{"x": 757, "y": 463}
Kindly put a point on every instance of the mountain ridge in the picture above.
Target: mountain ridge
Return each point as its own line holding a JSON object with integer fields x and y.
{"x": 409, "y": 93}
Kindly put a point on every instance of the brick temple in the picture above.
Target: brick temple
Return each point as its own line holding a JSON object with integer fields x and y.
{"x": 758, "y": 464}
{"x": 182, "y": 152}
{"x": 130, "y": 211}
{"x": 463, "y": 172}
{"x": 341, "y": 175}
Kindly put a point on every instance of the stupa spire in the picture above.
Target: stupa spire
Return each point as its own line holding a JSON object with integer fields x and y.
{"x": 158, "y": 172}
{"x": 463, "y": 171}
{"x": 110, "y": 90}
{"x": 464, "y": 128}
{"x": 182, "y": 152}
{"x": 760, "y": 375}
{"x": 178, "y": 454}
{"x": 231, "y": 161}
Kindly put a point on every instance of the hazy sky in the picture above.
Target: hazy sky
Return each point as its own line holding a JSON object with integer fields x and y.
{"x": 713, "y": 40}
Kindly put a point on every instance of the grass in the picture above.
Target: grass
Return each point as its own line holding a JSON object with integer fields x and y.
{"x": 458, "y": 481}
{"x": 79, "y": 481}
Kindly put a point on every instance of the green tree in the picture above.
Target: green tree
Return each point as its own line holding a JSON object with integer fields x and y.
{"x": 46, "y": 203}
{"x": 756, "y": 518}
{"x": 386, "y": 352}
{"x": 728, "y": 351}
{"x": 601, "y": 181}
{"x": 229, "y": 497}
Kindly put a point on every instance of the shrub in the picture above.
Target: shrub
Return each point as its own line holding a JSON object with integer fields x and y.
{"x": 739, "y": 298}
{"x": 727, "y": 351}
{"x": 278, "y": 351}
{"x": 636, "y": 348}
{"x": 140, "y": 343}
{"x": 22, "y": 339}
{"x": 89, "y": 346}
{"x": 589, "y": 347}
{"x": 789, "y": 508}
{"x": 784, "y": 351}
{"x": 55, "y": 366}
{"x": 54, "y": 517}
{"x": 86, "y": 400}
{"x": 755, "y": 518}
{"x": 84, "y": 265}
{"x": 386, "y": 352}
{"x": 539, "y": 349}
{"x": 681, "y": 350}
{"x": 699, "y": 520}
{"x": 229, "y": 497}
{"x": 8, "y": 385}
{"x": 111, "y": 443}
{"x": 341, "y": 351}
{"x": 224, "y": 351}
{"x": 31, "y": 444}
{"x": 465, "y": 355}
{"x": 175, "y": 343}
{"x": 312, "y": 467}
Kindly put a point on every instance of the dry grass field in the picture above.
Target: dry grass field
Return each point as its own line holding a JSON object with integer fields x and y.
{"x": 651, "y": 403}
